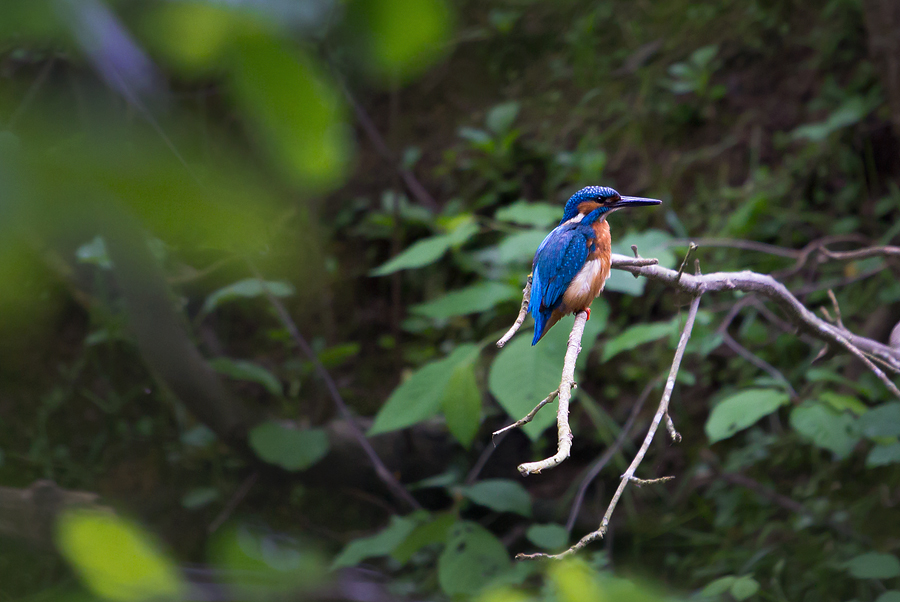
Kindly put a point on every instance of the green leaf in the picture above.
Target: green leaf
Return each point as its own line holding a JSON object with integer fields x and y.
{"x": 288, "y": 447}
{"x": 852, "y": 111}
{"x": 427, "y": 251}
{"x": 882, "y": 455}
{"x": 500, "y": 118}
{"x": 115, "y": 559}
{"x": 199, "y": 497}
{"x": 421, "y": 395}
{"x": 889, "y": 596}
{"x": 738, "y": 411}
{"x": 539, "y": 215}
{"x": 874, "y": 566}
{"x": 249, "y": 288}
{"x": 501, "y": 495}
{"x": 744, "y": 587}
{"x": 826, "y": 428}
{"x": 522, "y": 375}
{"x": 881, "y": 421}
{"x": 520, "y": 247}
{"x": 843, "y": 403}
{"x": 461, "y": 403}
{"x": 472, "y": 299}
{"x": 637, "y": 335}
{"x": 718, "y": 587}
{"x": 381, "y": 544}
{"x": 432, "y": 532}
{"x": 244, "y": 370}
{"x": 650, "y": 243}
{"x": 549, "y": 537}
{"x": 300, "y": 117}
{"x": 472, "y": 558}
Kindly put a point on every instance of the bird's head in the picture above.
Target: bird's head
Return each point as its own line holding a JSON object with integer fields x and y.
{"x": 596, "y": 202}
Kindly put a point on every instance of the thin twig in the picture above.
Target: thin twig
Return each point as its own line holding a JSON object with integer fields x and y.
{"x": 232, "y": 504}
{"x": 611, "y": 451}
{"x": 564, "y": 432}
{"x": 837, "y": 309}
{"x": 528, "y": 417}
{"x": 523, "y": 312}
{"x": 757, "y": 361}
{"x": 886, "y": 251}
{"x": 684, "y": 261}
{"x": 654, "y": 425}
{"x": 641, "y": 482}
{"x": 380, "y": 469}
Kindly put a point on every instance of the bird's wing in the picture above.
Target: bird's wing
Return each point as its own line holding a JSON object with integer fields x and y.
{"x": 557, "y": 261}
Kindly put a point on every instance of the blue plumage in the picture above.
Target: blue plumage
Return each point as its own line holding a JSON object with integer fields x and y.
{"x": 558, "y": 260}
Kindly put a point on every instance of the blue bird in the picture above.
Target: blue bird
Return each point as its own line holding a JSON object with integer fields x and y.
{"x": 572, "y": 264}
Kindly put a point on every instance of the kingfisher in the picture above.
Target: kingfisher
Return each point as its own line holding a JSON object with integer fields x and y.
{"x": 572, "y": 263}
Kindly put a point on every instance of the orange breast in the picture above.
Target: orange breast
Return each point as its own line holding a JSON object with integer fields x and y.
{"x": 588, "y": 283}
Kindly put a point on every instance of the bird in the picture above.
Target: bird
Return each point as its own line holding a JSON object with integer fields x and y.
{"x": 572, "y": 263}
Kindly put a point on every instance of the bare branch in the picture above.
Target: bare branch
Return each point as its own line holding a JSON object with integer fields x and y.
{"x": 530, "y": 416}
{"x": 887, "y": 251}
{"x": 639, "y": 457}
{"x": 564, "y": 432}
{"x": 381, "y": 470}
{"x": 766, "y": 286}
{"x": 523, "y": 312}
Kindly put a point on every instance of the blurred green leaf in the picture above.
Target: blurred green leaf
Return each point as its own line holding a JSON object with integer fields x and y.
{"x": 288, "y": 447}
{"x": 116, "y": 559}
{"x": 851, "y": 111}
{"x": 299, "y": 115}
{"x": 718, "y": 586}
{"x": 574, "y": 581}
{"x": 874, "y": 566}
{"x": 522, "y": 375}
{"x": 882, "y": 455}
{"x": 249, "y": 288}
{"x": 381, "y": 544}
{"x": 826, "y": 428}
{"x": 401, "y": 37}
{"x": 520, "y": 247}
{"x": 501, "y": 495}
{"x": 744, "y": 587}
{"x": 472, "y": 299}
{"x": 842, "y": 403}
{"x": 742, "y": 409}
{"x": 549, "y": 537}
{"x": 461, "y": 404}
{"x": 472, "y": 558}
{"x": 244, "y": 370}
{"x": 199, "y": 497}
{"x": 501, "y": 117}
{"x": 650, "y": 243}
{"x": 431, "y": 532}
{"x": 427, "y": 251}
{"x": 94, "y": 252}
{"x": 881, "y": 421}
{"x": 889, "y": 596}
{"x": 539, "y": 215}
{"x": 637, "y": 335}
{"x": 421, "y": 395}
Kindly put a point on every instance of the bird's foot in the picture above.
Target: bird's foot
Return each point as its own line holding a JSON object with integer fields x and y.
{"x": 588, "y": 310}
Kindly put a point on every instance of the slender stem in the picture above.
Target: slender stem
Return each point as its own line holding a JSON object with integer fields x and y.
{"x": 530, "y": 416}
{"x": 523, "y": 312}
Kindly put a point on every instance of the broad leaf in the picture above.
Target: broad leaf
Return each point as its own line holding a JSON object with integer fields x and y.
{"x": 380, "y": 544}
{"x": 287, "y": 447}
{"x": 244, "y": 370}
{"x": 472, "y": 558}
{"x": 251, "y": 287}
{"x": 501, "y": 495}
{"x": 473, "y": 299}
{"x": 718, "y": 586}
{"x": 889, "y": 596}
{"x": 744, "y": 587}
{"x": 500, "y": 118}
{"x": 461, "y": 404}
{"x": 432, "y": 532}
{"x": 826, "y": 428}
{"x": 428, "y": 250}
{"x": 539, "y": 215}
{"x": 737, "y": 412}
{"x": 650, "y": 243}
{"x": 421, "y": 395}
{"x": 881, "y": 421}
{"x": 638, "y": 335}
{"x": 522, "y": 374}
{"x": 882, "y": 455}
{"x": 115, "y": 559}
{"x": 548, "y": 537}
{"x": 874, "y": 566}
{"x": 520, "y": 247}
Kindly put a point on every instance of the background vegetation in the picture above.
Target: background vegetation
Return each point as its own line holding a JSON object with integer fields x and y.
{"x": 226, "y": 227}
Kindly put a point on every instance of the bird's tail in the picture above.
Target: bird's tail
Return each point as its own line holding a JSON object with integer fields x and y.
{"x": 541, "y": 322}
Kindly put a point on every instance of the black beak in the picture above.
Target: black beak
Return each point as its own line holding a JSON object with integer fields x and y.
{"x": 635, "y": 201}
